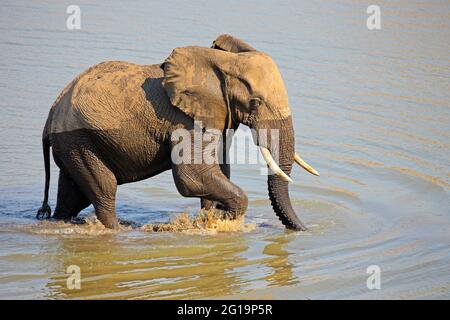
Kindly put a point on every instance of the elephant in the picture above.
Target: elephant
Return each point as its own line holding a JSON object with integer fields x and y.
{"x": 114, "y": 124}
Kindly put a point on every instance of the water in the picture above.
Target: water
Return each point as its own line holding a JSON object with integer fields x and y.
{"x": 371, "y": 111}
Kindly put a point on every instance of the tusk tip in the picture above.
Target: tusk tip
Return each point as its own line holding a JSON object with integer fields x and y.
{"x": 285, "y": 176}
{"x": 304, "y": 165}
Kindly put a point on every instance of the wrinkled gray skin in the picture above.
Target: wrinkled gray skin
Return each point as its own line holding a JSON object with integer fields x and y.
{"x": 113, "y": 125}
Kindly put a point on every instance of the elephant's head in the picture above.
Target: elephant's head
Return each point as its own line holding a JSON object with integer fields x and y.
{"x": 232, "y": 83}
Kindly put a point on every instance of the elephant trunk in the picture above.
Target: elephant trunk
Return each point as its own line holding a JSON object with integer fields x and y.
{"x": 284, "y": 147}
{"x": 281, "y": 203}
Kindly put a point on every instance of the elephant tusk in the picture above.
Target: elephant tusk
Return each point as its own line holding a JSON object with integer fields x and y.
{"x": 304, "y": 165}
{"x": 273, "y": 165}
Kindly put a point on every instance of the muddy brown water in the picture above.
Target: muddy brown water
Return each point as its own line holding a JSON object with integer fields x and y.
{"x": 371, "y": 111}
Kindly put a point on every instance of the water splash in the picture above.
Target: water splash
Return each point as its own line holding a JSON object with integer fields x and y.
{"x": 206, "y": 221}
{"x": 88, "y": 225}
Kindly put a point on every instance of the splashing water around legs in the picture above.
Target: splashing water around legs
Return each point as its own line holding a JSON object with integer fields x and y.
{"x": 205, "y": 221}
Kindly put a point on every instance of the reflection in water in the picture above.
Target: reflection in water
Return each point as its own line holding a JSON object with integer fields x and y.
{"x": 174, "y": 266}
{"x": 282, "y": 269}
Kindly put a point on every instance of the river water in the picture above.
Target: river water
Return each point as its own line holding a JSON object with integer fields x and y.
{"x": 371, "y": 112}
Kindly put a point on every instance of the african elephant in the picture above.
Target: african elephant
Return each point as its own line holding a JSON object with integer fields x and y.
{"x": 113, "y": 125}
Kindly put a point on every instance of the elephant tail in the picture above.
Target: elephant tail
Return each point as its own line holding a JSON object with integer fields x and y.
{"x": 45, "y": 211}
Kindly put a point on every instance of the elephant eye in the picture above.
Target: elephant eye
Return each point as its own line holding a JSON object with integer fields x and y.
{"x": 254, "y": 103}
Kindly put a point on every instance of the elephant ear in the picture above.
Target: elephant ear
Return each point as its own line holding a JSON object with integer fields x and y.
{"x": 194, "y": 79}
{"x": 229, "y": 43}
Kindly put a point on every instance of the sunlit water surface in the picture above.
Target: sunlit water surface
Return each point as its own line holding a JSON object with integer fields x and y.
{"x": 371, "y": 112}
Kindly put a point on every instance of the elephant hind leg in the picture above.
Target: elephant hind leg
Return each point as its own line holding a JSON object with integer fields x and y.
{"x": 79, "y": 158}
{"x": 70, "y": 199}
{"x": 98, "y": 183}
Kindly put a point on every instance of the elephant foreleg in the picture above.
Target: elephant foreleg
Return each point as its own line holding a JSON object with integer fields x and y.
{"x": 224, "y": 156}
{"x": 208, "y": 204}
{"x": 210, "y": 183}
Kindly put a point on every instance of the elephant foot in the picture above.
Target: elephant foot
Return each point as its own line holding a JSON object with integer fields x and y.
{"x": 221, "y": 213}
{"x": 77, "y": 220}
{"x": 44, "y": 212}
{"x": 128, "y": 223}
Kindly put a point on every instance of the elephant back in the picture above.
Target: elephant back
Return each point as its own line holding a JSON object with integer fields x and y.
{"x": 104, "y": 97}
